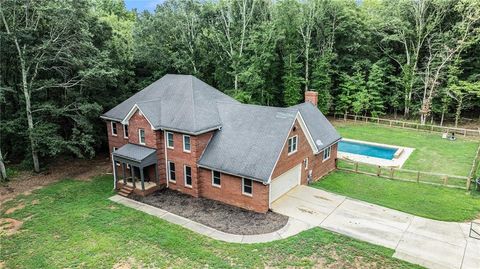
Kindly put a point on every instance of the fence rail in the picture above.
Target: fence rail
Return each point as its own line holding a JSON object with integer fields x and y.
{"x": 438, "y": 179}
{"x": 410, "y": 125}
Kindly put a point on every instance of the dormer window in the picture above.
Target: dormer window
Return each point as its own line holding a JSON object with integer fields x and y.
{"x": 292, "y": 144}
{"x": 141, "y": 136}
{"x": 113, "y": 126}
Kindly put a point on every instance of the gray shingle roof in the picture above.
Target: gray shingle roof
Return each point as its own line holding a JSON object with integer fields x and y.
{"x": 134, "y": 152}
{"x": 322, "y": 131}
{"x": 177, "y": 102}
{"x": 250, "y": 140}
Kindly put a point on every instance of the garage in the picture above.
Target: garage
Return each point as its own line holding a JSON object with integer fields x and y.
{"x": 285, "y": 182}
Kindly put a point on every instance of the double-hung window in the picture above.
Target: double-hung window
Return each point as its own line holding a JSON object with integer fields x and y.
{"x": 141, "y": 136}
{"x": 169, "y": 140}
{"x": 216, "y": 181}
{"x": 188, "y": 176}
{"x": 292, "y": 144}
{"x": 186, "y": 143}
{"x": 125, "y": 131}
{"x": 171, "y": 171}
{"x": 326, "y": 153}
{"x": 247, "y": 186}
{"x": 113, "y": 126}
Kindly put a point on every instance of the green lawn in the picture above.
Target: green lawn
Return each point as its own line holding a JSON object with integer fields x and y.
{"x": 72, "y": 224}
{"x": 424, "y": 200}
{"x": 431, "y": 154}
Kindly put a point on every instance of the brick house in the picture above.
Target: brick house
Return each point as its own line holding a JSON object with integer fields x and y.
{"x": 185, "y": 135}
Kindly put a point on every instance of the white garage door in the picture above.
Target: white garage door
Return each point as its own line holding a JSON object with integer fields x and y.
{"x": 285, "y": 182}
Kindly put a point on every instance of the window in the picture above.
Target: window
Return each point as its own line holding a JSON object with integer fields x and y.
{"x": 114, "y": 128}
{"x": 169, "y": 140}
{"x": 125, "y": 131}
{"x": 171, "y": 171}
{"x": 305, "y": 163}
{"x": 141, "y": 136}
{"x": 188, "y": 176}
{"x": 186, "y": 143}
{"x": 247, "y": 186}
{"x": 326, "y": 153}
{"x": 292, "y": 144}
{"x": 216, "y": 179}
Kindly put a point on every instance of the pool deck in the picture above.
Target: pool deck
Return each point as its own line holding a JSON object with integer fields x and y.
{"x": 396, "y": 162}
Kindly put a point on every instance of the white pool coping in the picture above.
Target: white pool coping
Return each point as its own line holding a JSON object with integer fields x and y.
{"x": 400, "y": 156}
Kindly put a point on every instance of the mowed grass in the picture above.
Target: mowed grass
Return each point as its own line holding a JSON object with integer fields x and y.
{"x": 431, "y": 154}
{"x": 72, "y": 224}
{"x": 424, "y": 200}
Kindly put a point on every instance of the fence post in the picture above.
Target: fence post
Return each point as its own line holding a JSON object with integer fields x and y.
{"x": 391, "y": 172}
{"x": 345, "y": 117}
{"x": 356, "y": 167}
{"x": 464, "y": 132}
{"x": 469, "y": 181}
{"x": 418, "y": 176}
{"x": 378, "y": 120}
{"x": 379, "y": 171}
{"x": 355, "y": 118}
{"x": 445, "y": 179}
{"x": 390, "y": 123}
{"x": 403, "y": 124}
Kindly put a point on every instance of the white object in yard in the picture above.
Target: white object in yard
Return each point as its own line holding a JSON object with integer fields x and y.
{"x": 285, "y": 182}
{"x": 445, "y": 135}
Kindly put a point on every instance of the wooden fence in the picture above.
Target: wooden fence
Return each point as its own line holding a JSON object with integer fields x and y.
{"x": 410, "y": 125}
{"x": 475, "y": 170}
{"x": 438, "y": 179}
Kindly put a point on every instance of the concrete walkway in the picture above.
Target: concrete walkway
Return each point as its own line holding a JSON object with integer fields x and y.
{"x": 430, "y": 243}
{"x": 292, "y": 227}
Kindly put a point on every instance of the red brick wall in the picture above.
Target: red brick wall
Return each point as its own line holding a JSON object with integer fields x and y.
{"x": 181, "y": 158}
{"x": 304, "y": 150}
{"x": 230, "y": 192}
{"x": 137, "y": 122}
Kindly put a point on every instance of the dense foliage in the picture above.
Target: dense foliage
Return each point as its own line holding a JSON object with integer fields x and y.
{"x": 65, "y": 62}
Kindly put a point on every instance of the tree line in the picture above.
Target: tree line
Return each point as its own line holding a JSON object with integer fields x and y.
{"x": 64, "y": 62}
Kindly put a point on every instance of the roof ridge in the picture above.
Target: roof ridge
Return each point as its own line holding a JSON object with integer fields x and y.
{"x": 259, "y": 106}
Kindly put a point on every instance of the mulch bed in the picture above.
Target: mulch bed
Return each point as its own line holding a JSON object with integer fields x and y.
{"x": 223, "y": 217}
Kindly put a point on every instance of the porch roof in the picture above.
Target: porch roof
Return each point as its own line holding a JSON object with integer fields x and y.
{"x": 136, "y": 154}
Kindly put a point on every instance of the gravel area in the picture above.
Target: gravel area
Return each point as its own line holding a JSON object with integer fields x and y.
{"x": 223, "y": 217}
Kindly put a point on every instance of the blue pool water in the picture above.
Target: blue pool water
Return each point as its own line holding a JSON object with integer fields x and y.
{"x": 366, "y": 149}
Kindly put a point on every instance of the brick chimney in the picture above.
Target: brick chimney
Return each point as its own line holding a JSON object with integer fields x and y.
{"x": 312, "y": 97}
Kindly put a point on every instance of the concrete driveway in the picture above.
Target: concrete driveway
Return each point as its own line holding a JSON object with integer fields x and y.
{"x": 430, "y": 243}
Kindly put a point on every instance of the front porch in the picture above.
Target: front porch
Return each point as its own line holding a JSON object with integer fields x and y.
{"x": 138, "y": 169}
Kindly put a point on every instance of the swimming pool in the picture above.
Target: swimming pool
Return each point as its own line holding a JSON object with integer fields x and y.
{"x": 367, "y": 149}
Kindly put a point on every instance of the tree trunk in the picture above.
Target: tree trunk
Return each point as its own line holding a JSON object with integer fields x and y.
{"x": 307, "y": 47}
{"x": 459, "y": 110}
{"x": 28, "y": 109}
{"x": 3, "y": 171}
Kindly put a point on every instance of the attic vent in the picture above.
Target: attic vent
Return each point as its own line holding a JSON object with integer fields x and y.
{"x": 294, "y": 128}
{"x": 318, "y": 142}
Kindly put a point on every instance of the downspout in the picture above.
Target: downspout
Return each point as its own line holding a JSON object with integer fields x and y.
{"x": 166, "y": 159}
{"x": 114, "y": 173}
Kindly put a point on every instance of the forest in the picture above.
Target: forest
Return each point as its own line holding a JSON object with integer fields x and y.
{"x": 65, "y": 62}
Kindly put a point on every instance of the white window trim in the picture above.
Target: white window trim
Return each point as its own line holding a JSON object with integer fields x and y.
{"x": 111, "y": 127}
{"x": 185, "y": 176}
{"x": 296, "y": 144}
{"x": 213, "y": 182}
{"x": 185, "y": 150}
{"x": 173, "y": 139}
{"x": 125, "y": 134}
{"x": 140, "y": 137}
{"x": 169, "y": 172}
{"x": 243, "y": 187}
{"x": 329, "y": 153}
{"x": 306, "y": 163}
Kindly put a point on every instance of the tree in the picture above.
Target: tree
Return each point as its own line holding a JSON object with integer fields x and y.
{"x": 308, "y": 14}
{"x": 292, "y": 83}
{"x": 375, "y": 87}
{"x": 322, "y": 81}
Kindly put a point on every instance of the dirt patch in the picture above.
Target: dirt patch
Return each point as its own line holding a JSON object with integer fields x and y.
{"x": 223, "y": 217}
{"x": 2, "y": 265}
{"x": 15, "y": 208}
{"x": 128, "y": 264}
{"x": 35, "y": 202}
{"x": 9, "y": 226}
{"x": 25, "y": 182}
